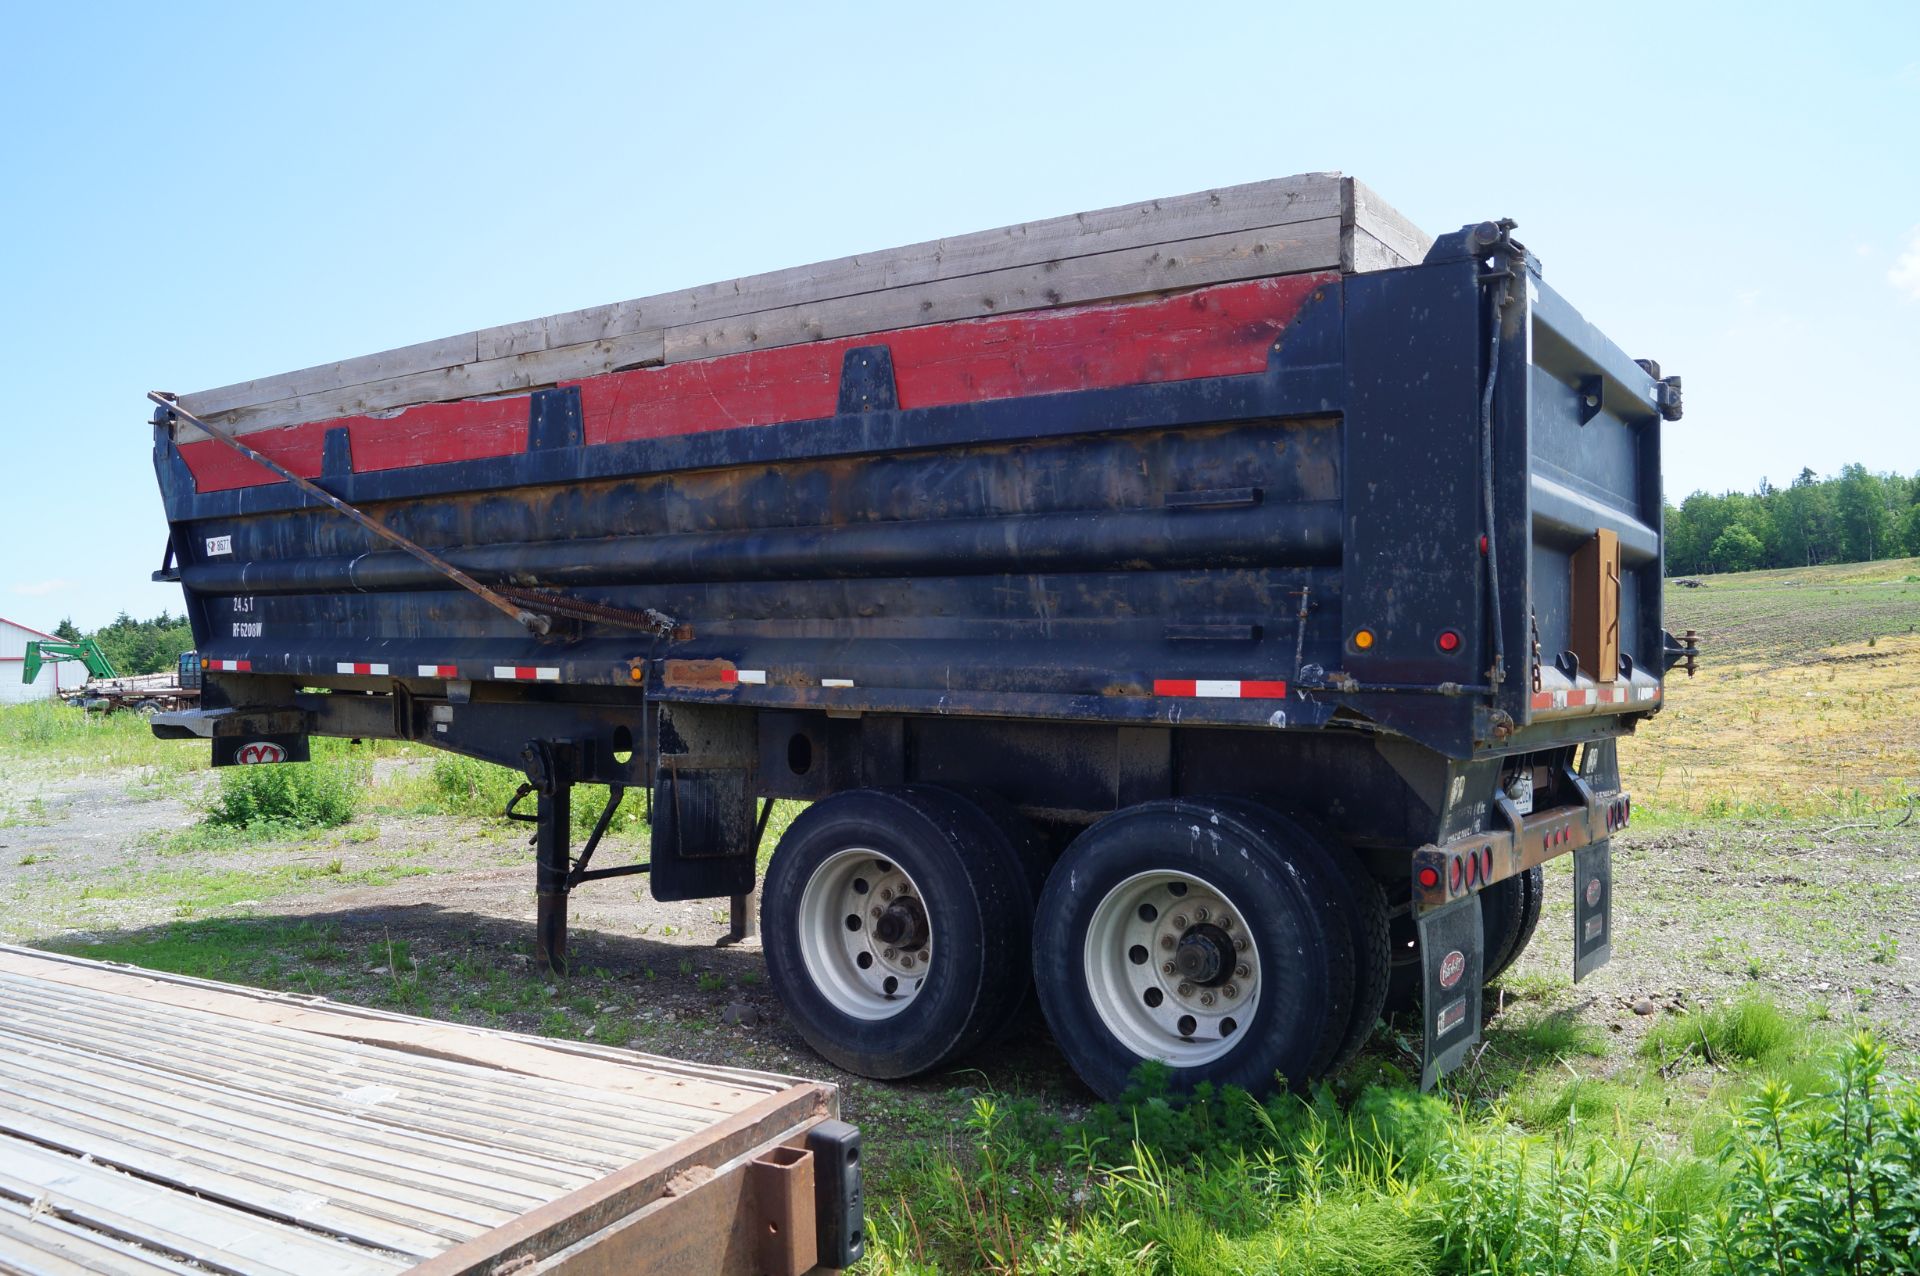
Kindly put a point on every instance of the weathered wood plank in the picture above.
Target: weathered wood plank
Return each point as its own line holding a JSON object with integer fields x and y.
{"x": 1277, "y": 250}
{"x": 206, "y": 1232}
{"x": 443, "y": 353}
{"x": 1380, "y": 220}
{"x": 1278, "y": 202}
{"x": 515, "y": 374}
{"x": 1084, "y": 257}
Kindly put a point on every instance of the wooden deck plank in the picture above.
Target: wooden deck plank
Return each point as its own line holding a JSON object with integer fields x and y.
{"x": 214, "y": 1236}
{"x": 153, "y": 1115}
{"x": 439, "y": 1091}
{"x": 664, "y": 1081}
{"x": 342, "y": 1167}
{"x": 35, "y": 1243}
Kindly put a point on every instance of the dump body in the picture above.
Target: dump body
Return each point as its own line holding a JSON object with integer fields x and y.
{"x": 1322, "y": 512}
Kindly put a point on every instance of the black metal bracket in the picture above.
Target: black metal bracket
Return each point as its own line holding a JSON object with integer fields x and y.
{"x": 336, "y": 453}
{"x": 553, "y": 419}
{"x": 866, "y": 380}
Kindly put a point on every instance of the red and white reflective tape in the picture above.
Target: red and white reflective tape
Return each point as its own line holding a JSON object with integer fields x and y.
{"x": 1212, "y": 689}
{"x": 1580, "y": 697}
{"x": 347, "y": 666}
{"x": 439, "y": 671}
{"x": 744, "y": 675}
{"x": 231, "y": 666}
{"x": 527, "y": 673}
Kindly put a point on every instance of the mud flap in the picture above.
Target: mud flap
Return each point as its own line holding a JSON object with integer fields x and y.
{"x": 1592, "y": 908}
{"x": 1450, "y": 946}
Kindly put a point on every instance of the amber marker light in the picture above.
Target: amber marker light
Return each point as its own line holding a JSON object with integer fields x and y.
{"x": 1362, "y": 639}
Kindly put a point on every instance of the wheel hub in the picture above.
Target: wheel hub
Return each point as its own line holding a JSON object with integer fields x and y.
{"x": 1172, "y": 967}
{"x": 1204, "y": 955}
{"x": 902, "y": 924}
{"x": 864, "y": 934}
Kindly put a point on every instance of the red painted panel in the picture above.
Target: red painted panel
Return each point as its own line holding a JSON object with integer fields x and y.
{"x": 1219, "y": 331}
{"x": 1175, "y": 687}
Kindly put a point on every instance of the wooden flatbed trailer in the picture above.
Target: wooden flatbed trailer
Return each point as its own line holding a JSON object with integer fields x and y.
{"x": 153, "y": 1123}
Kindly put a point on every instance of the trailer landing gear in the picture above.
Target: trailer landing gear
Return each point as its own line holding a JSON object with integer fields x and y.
{"x": 556, "y": 871}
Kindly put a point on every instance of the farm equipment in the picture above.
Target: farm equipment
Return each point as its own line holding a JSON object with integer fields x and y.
{"x": 46, "y": 651}
{"x": 1207, "y": 614}
{"x": 106, "y": 690}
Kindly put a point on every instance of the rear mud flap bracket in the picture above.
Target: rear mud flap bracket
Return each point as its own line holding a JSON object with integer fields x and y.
{"x": 1452, "y": 963}
{"x": 1592, "y": 908}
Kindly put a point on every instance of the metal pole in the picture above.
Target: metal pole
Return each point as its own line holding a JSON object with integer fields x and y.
{"x": 552, "y": 839}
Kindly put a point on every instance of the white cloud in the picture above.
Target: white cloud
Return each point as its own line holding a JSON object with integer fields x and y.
{"x": 1905, "y": 274}
{"x": 41, "y": 588}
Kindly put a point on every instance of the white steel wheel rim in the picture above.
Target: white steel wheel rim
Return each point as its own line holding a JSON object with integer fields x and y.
{"x": 1159, "y": 1013}
{"x": 857, "y": 971}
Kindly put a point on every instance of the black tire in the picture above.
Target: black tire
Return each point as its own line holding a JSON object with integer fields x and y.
{"x": 1533, "y": 885}
{"x": 1288, "y": 893}
{"x": 979, "y": 911}
{"x": 147, "y": 708}
{"x": 1367, "y": 916}
{"x": 1509, "y": 914}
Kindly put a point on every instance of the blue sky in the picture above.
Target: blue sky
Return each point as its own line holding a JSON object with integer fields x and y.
{"x": 195, "y": 194}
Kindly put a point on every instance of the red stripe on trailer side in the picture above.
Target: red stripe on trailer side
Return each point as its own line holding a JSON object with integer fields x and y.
{"x": 1263, "y": 691}
{"x": 1173, "y": 687}
{"x": 1224, "y": 330}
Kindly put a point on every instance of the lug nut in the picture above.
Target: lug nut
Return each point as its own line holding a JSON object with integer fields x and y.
{"x": 874, "y": 913}
{"x": 1206, "y": 999}
{"x": 888, "y": 954}
{"x": 1179, "y": 921}
{"x": 1229, "y": 990}
{"x": 907, "y": 961}
{"x": 1200, "y": 914}
{"x": 1242, "y": 971}
{"x": 886, "y": 892}
{"x": 1226, "y": 921}
{"x": 1166, "y": 968}
{"x": 1167, "y": 942}
{"x": 1185, "y": 989}
{"x": 1240, "y": 945}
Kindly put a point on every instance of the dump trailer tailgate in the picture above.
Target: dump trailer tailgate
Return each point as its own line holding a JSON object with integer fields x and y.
{"x": 155, "y": 1123}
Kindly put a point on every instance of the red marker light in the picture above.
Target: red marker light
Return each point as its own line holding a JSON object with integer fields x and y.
{"x": 1429, "y": 877}
{"x": 1449, "y": 640}
{"x": 1454, "y": 872}
{"x": 1483, "y": 543}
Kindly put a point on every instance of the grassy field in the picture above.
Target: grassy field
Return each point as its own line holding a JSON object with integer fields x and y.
{"x": 1804, "y": 703}
{"x": 1719, "y": 1100}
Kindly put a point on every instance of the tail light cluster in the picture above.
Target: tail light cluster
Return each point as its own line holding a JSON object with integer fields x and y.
{"x": 1466, "y": 870}
{"x": 1618, "y": 813}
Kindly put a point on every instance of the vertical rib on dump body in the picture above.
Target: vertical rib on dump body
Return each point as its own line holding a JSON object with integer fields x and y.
{"x": 151, "y": 1123}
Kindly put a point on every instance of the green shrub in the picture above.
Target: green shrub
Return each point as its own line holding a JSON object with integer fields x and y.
{"x": 323, "y": 793}
{"x": 468, "y": 786}
{"x": 1745, "y": 1031}
{"x": 1827, "y": 1181}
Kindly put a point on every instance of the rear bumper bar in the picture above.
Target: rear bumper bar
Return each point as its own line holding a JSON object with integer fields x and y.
{"x": 1445, "y": 872}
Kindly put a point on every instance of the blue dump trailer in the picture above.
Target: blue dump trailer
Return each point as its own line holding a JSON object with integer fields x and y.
{"x": 1204, "y": 616}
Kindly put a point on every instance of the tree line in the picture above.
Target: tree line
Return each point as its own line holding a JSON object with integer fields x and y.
{"x": 1854, "y": 517}
{"x": 137, "y": 646}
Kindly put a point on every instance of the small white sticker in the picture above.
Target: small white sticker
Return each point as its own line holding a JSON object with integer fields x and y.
{"x": 217, "y": 545}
